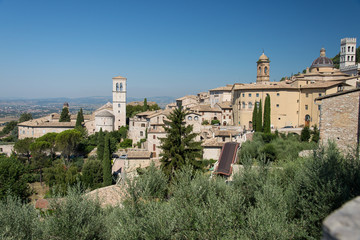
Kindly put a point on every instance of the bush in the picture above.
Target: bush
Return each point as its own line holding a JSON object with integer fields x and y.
{"x": 215, "y": 122}
{"x": 305, "y": 134}
{"x": 127, "y": 143}
{"x": 205, "y": 122}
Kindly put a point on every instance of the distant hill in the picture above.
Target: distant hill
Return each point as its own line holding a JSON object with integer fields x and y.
{"x": 95, "y": 101}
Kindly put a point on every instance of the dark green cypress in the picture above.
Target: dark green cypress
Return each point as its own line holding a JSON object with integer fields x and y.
{"x": 254, "y": 115}
{"x": 107, "y": 177}
{"x": 145, "y": 105}
{"x": 100, "y": 146}
{"x": 259, "y": 118}
{"x": 64, "y": 117}
{"x": 79, "y": 119}
{"x": 267, "y": 115}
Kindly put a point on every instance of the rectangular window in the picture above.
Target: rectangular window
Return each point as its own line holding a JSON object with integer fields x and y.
{"x": 306, "y": 107}
{"x": 154, "y": 147}
{"x": 277, "y": 105}
{"x": 257, "y": 95}
{"x": 154, "y": 137}
{"x": 230, "y": 117}
{"x": 224, "y": 117}
{"x": 1, "y": 150}
{"x": 307, "y": 95}
{"x": 319, "y": 107}
{"x": 249, "y": 94}
{"x": 119, "y": 105}
{"x": 278, "y": 94}
{"x": 243, "y": 94}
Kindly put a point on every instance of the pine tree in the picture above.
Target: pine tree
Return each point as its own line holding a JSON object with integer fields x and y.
{"x": 100, "y": 146}
{"x": 259, "y": 118}
{"x": 179, "y": 147}
{"x": 64, "y": 117}
{"x": 254, "y": 116}
{"x": 79, "y": 119}
{"x": 267, "y": 115}
{"x": 145, "y": 106}
{"x": 107, "y": 177}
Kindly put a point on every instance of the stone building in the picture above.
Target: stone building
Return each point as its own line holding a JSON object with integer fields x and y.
{"x": 348, "y": 56}
{"x": 339, "y": 118}
{"x": 220, "y": 95}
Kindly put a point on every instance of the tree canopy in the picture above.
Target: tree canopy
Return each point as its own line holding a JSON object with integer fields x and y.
{"x": 65, "y": 116}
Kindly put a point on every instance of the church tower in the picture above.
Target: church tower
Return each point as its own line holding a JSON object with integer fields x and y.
{"x": 119, "y": 101}
{"x": 347, "y": 52}
{"x": 263, "y": 69}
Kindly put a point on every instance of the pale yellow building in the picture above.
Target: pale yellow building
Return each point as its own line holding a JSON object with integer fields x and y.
{"x": 292, "y": 101}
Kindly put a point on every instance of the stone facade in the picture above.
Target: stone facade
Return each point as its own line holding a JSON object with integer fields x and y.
{"x": 339, "y": 119}
{"x": 7, "y": 149}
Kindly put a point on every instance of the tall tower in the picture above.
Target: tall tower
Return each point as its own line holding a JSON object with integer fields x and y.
{"x": 347, "y": 52}
{"x": 263, "y": 69}
{"x": 119, "y": 101}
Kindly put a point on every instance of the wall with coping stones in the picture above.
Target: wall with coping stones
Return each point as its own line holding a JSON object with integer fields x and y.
{"x": 339, "y": 120}
{"x": 344, "y": 223}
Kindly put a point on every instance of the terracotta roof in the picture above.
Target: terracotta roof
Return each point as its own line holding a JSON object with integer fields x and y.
{"x": 212, "y": 142}
{"x": 204, "y": 108}
{"x": 104, "y": 113}
{"x": 44, "y": 122}
{"x": 272, "y": 85}
{"x": 187, "y": 96}
{"x": 323, "y": 84}
{"x": 145, "y": 113}
{"x": 138, "y": 154}
{"x": 338, "y": 94}
{"x": 226, "y": 88}
{"x": 160, "y": 112}
{"x": 225, "y": 105}
{"x": 108, "y": 105}
{"x": 226, "y": 133}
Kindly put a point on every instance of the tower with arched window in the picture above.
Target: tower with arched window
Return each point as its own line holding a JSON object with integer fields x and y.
{"x": 119, "y": 101}
{"x": 263, "y": 69}
{"x": 347, "y": 52}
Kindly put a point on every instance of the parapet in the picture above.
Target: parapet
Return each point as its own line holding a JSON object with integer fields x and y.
{"x": 348, "y": 40}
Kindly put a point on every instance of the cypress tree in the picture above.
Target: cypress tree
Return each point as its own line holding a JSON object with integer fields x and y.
{"x": 64, "y": 117}
{"x": 266, "y": 127}
{"x": 145, "y": 106}
{"x": 107, "y": 177}
{"x": 100, "y": 146}
{"x": 179, "y": 147}
{"x": 259, "y": 118}
{"x": 79, "y": 119}
{"x": 254, "y": 116}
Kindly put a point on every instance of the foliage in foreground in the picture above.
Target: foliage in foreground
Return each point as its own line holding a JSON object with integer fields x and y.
{"x": 260, "y": 203}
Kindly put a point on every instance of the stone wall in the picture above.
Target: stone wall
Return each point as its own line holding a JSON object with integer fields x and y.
{"x": 339, "y": 120}
{"x": 344, "y": 223}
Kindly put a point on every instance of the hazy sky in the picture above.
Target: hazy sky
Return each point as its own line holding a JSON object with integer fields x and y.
{"x": 72, "y": 48}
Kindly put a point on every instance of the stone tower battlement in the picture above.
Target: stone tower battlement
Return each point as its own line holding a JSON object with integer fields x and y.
{"x": 348, "y": 40}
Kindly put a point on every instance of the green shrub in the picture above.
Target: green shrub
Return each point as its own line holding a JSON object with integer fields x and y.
{"x": 127, "y": 143}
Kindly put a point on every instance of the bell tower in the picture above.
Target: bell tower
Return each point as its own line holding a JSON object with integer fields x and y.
{"x": 263, "y": 69}
{"x": 347, "y": 52}
{"x": 119, "y": 101}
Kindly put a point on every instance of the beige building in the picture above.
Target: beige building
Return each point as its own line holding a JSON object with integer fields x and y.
{"x": 220, "y": 95}
{"x": 292, "y": 101}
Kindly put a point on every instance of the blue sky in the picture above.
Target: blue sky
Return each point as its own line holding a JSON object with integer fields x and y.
{"x": 72, "y": 48}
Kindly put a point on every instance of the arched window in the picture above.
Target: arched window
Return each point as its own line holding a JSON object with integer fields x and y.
{"x": 265, "y": 70}
{"x": 141, "y": 133}
{"x": 243, "y": 105}
{"x": 117, "y": 87}
{"x": 259, "y": 70}
{"x": 121, "y": 87}
{"x": 189, "y": 118}
{"x": 348, "y": 58}
{"x": 352, "y": 58}
{"x": 250, "y": 105}
{"x": 349, "y": 49}
{"x": 352, "y": 49}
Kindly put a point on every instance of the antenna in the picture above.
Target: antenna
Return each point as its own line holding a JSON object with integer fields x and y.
{"x": 263, "y": 50}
